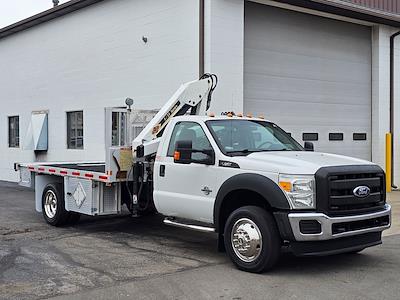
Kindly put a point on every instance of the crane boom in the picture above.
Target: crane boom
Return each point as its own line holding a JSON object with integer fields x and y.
{"x": 194, "y": 96}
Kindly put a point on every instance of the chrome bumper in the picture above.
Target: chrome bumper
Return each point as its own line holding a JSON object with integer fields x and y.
{"x": 327, "y": 222}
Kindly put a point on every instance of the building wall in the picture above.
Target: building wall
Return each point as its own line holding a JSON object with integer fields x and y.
{"x": 224, "y": 52}
{"x": 92, "y": 59}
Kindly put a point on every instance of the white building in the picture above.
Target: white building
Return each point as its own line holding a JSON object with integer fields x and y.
{"x": 320, "y": 69}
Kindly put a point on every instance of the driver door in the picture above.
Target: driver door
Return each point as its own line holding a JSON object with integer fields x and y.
{"x": 186, "y": 190}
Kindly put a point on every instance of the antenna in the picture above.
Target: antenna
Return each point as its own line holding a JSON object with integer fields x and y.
{"x": 55, "y": 2}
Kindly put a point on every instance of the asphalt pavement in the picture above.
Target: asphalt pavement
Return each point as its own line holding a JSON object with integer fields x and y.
{"x": 128, "y": 258}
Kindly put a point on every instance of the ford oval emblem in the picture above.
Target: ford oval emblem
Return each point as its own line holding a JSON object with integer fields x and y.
{"x": 361, "y": 191}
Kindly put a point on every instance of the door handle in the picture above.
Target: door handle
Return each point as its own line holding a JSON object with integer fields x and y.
{"x": 206, "y": 190}
{"x": 162, "y": 170}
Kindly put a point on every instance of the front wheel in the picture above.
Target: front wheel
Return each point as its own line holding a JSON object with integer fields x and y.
{"x": 252, "y": 239}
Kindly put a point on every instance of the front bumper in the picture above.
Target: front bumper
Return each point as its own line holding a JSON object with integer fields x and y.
{"x": 339, "y": 227}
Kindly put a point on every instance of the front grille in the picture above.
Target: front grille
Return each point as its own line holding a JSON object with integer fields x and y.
{"x": 335, "y": 186}
{"x": 341, "y": 188}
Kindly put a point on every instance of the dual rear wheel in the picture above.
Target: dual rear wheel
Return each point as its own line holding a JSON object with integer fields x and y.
{"x": 53, "y": 206}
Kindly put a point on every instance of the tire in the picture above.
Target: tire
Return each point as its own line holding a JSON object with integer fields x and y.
{"x": 263, "y": 250}
{"x": 53, "y": 205}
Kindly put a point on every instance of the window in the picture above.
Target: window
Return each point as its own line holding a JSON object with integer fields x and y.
{"x": 75, "y": 130}
{"x": 190, "y": 131}
{"x": 13, "y": 132}
{"x": 119, "y": 127}
{"x": 242, "y": 137}
{"x": 336, "y": 136}
{"x": 310, "y": 136}
{"x": 359, "y": 136}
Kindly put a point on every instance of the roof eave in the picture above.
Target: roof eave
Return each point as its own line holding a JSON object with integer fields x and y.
{"x": 348, "y": 10}
{"x": 46, "y": 15}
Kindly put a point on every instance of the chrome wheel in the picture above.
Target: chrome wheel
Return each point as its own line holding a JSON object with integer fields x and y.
{"x": 246, "y": 240}
{"x": 50, "y": 204}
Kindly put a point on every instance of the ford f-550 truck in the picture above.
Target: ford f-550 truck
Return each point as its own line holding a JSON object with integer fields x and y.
{"x": 243, "y": 178}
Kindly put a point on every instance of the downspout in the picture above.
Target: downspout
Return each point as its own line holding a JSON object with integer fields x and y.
{"x": 201, "y": 37}
{"x": 391, "y": 104}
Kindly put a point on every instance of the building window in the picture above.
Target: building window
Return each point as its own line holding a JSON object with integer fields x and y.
{"x": 336, "y": 136}
{"x": 119, "y": 128}
{"x": 13, "y": 132}
{"x": 310, "y": 136}
{"x": 75, "y": 130}
{"x": 359, "y": 136}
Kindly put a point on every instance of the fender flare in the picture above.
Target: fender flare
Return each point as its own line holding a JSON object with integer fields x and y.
{"x": 260, "y": 184}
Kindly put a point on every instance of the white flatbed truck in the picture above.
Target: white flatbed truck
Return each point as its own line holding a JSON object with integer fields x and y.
{"x": 243, "y": 178}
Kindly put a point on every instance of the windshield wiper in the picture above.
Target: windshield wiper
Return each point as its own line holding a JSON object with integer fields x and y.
{"x": 247, "y": 151}
{"x": 239, "y": 151}
{"x": 244, "y": 151}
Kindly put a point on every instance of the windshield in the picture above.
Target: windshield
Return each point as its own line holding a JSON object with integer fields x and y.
{"x": 241, "y": 137}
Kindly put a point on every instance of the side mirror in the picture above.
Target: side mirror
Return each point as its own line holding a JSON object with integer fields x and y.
{"x": 308, "y": 146}
{"x": 183, "y": 152}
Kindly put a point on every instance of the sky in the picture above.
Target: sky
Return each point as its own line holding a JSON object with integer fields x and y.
{"x": 12, "y": 11}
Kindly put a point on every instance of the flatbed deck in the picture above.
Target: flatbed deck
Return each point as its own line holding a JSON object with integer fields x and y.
{"x": 95, "y": 167}
{"x": 88, "y": 170}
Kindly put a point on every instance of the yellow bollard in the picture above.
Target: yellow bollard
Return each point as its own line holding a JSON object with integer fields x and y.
{"x": 388, "y": 162}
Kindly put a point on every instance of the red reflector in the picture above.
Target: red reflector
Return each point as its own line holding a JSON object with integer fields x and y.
{"x": 76, "y": 173}
{"x": 41, "y": 169}
{"x": 31, "y": 168}
{"x": 63, "y": 172}
{"x": 103, "y": 177}
{"x": 89, "y": 175}
{"x": 52, "y": 170}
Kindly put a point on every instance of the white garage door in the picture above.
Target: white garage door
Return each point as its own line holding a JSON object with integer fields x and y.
{"x": 312, "y": 76}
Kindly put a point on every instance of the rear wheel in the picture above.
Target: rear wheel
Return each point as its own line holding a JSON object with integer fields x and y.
{"x": 252, "y": 239}
{"x": 53, "y": 205}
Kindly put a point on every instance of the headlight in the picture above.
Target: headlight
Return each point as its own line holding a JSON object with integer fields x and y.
{"x": 300, "y": 190}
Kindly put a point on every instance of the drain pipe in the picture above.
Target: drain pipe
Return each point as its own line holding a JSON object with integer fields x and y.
{"x": 201, "y": 37}
{"x": 391, "y": 104}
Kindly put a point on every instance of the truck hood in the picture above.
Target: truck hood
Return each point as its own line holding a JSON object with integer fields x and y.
{"x": 294, "y": 162}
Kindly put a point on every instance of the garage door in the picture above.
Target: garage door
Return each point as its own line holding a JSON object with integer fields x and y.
{"x": 312, "y": 76}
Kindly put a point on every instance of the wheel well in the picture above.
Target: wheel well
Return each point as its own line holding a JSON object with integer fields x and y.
{"x": 239, "y": 198}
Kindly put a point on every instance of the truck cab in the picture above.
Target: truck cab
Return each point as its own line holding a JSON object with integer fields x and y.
{"x": 262, "y": 192}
